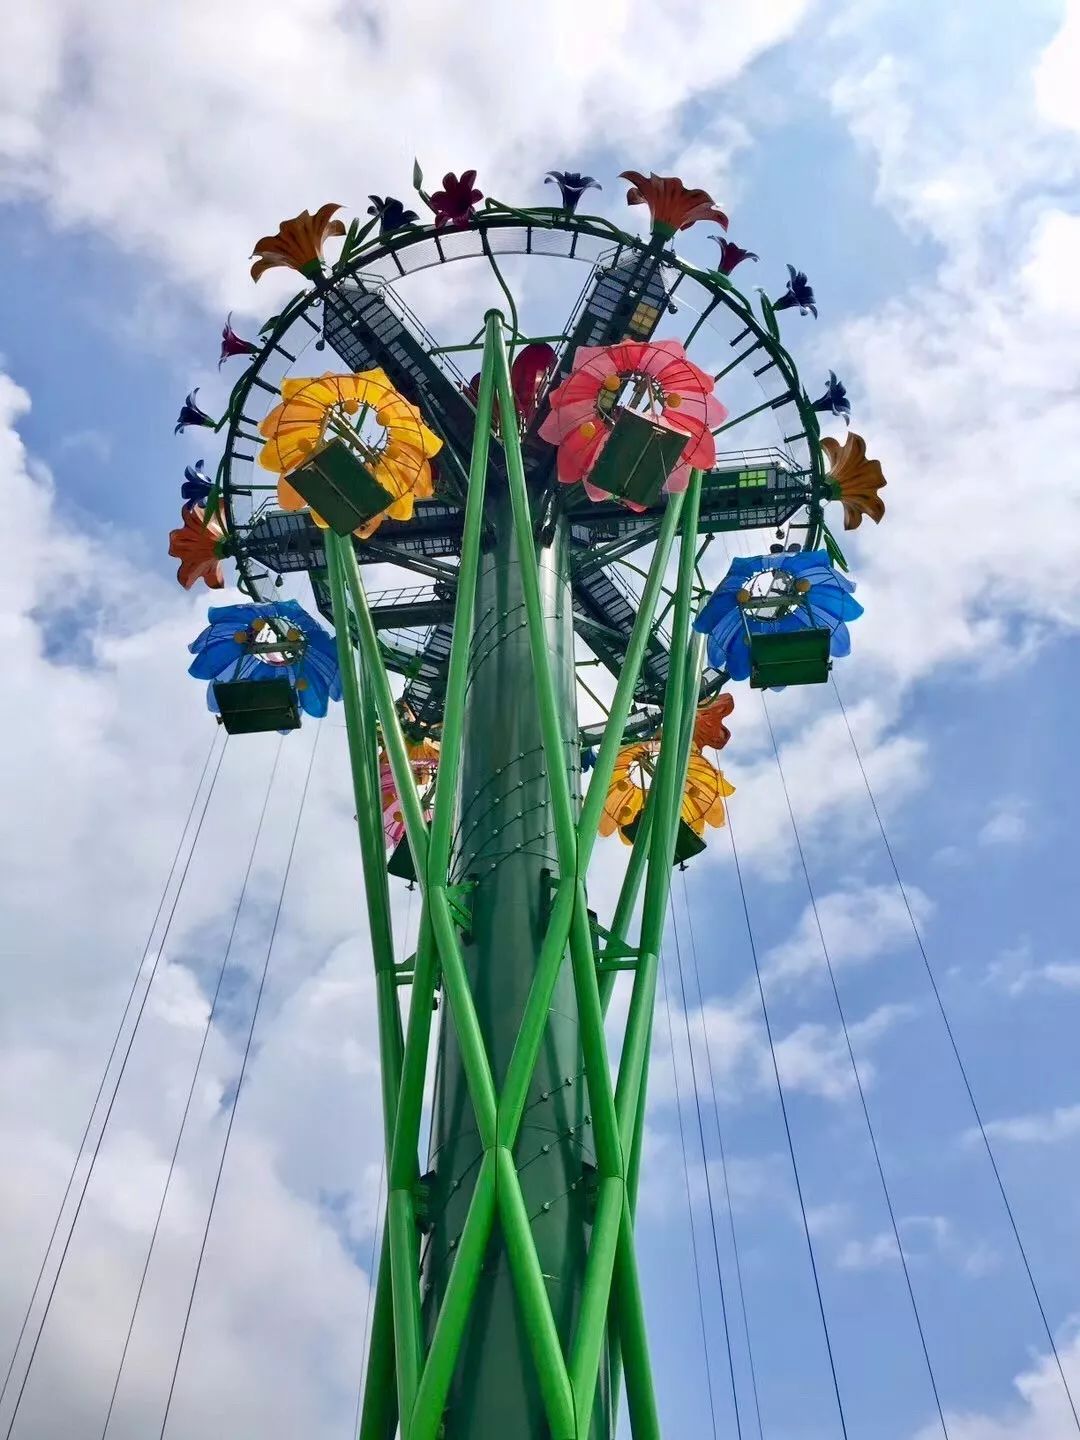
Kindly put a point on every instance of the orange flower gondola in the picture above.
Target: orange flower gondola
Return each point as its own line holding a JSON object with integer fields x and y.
{"x": 319, "y": 408}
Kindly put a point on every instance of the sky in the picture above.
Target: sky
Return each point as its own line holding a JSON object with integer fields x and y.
{"x": 922, "y": 164}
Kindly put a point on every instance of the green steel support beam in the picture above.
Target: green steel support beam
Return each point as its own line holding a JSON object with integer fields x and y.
{"x": 379, "y": 1417}
{"x": 363, "y": 759}
{"x": 666, "y": 793}
{"x": 510, "y": 1293}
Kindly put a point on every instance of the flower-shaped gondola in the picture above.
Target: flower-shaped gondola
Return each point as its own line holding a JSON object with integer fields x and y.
{"x": 583, "y": 409}
{"x": 424, "y": 761}
{"x": 316, "y": 410}
{"x": 776, "y": 595}
{"x": 703, "y": 798}
{"x": 239, "y": 642}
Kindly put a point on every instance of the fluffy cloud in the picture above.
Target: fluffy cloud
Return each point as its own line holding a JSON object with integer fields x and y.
{"x": 1050, "y": 1127}
{"x": 1040, "y": 1410}
{"x": 111, "y": 735}
{"x": 859, "y": 925}
{"x": 184, "y": 135}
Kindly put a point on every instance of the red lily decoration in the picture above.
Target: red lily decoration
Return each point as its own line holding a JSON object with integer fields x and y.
{"x": 453, "y": 204}
{"x": 671, "y": 205}
{"x": 231, "y": 344}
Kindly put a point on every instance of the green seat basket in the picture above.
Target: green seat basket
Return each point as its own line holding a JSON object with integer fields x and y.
{"x": 400, "y": 863}
{"x": 638, "y": 457}
{"x": 249, "y": 707}
{"x": 790, "y": 657}
{"x": 339, "y": 488}
{"x": 687, "y": 842}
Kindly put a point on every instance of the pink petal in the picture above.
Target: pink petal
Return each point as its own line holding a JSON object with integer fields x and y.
{"x": 562, "y": 421}
{"x": 678, "y": 480}
{"x": 595, "y": 493}
{"x": 577, "y": 455}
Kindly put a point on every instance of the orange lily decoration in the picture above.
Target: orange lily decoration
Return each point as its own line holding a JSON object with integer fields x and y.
{"x": 710, "y": 732}
{"x": 197, "y": 545}
{"x": 298, "y": 243}
{"x": 854, "y": 480}
{"x": 671, "y": 205}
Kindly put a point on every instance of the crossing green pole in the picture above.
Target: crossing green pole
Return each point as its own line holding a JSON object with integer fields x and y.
{"x": 515, "y": 844}
{"x": 379, "y": 1397}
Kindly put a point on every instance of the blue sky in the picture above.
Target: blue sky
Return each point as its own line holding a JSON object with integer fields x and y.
{"x": 923, "y": 166}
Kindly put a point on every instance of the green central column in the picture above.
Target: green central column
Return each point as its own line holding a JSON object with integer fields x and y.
{"x": 504, "y": 843}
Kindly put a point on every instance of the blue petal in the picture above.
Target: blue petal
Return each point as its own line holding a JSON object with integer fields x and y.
{"x": 214, "y": 659}
{"x": 834, "y": 603}
{"x": 717, "y": 608}
{"x": 737, "y": 657}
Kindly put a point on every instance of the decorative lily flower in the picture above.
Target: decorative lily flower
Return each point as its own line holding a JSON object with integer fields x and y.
{"x": 197, "y": 484}
{"x": 854, "y": 480}
{"x": 705, "y": 793}
{"x": 531, "y": 368}
{"x": 424, "y": 761}
{"x": 453, "y": 204}
{"x": 223, "y": 651}
{"x": 298, "y": 243}
{"x": 681, "y": 393}
{"x": 392, "y": 214}
{"x": 315, "y": 410}
{"x": 710, "y": 732}
{"x": 190, "y": 414}
{"x": 231, "y": 344}
{"x": 198, "y": 545}
{"x": 571, "y": 186}
{"x": 671, "y": 205}
{"x": 731, "y": 254}
{"x": 835, "y": 401}
{"x": 799, "y": 292}
{"x": 703, "y": 797}
{"x": 800, "y": 592}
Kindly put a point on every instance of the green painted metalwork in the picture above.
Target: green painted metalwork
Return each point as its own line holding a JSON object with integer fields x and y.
{"x": 528, "y": 1210}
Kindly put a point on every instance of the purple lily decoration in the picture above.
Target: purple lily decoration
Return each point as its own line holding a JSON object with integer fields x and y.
{"x": 197, "y": 484}
{"x": 731, "y": 254}
{"x": 835, "y": 401}
{"x": 572, "y": 186}
{"x": 231, "y": 344}
{"x": 799, "y": 292}
{"x": 190, "y": 414}
{"x": 392, "y": 214}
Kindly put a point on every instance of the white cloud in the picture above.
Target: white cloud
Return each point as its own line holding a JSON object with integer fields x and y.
{"x": 183, "y": 135}
{"x": 1040, "y": 1410}
{"x": 1006, "y": 825}
{"x": 1015, "y": 971}
{"x": 859, "y": 925}
{"x": 1049, "y": 1127}
{"x": 924, "y": 1238}
{"x": 1056, "y": 71}
{"x": 110, "y": 734}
